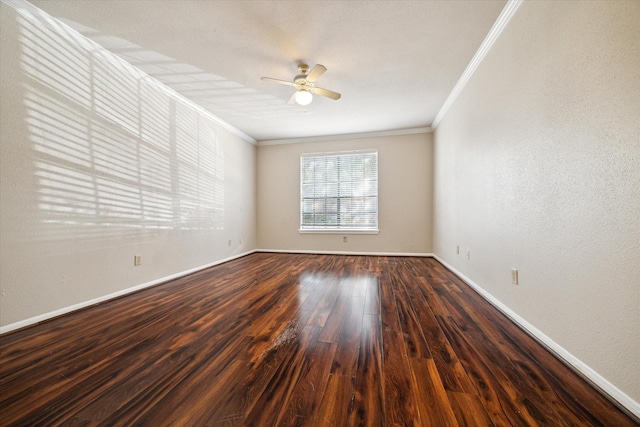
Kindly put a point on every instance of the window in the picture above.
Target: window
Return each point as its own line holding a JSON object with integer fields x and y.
{"x": 339, "y": 191}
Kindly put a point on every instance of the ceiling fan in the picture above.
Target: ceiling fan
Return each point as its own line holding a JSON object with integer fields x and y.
{"x": 305, "y": 85}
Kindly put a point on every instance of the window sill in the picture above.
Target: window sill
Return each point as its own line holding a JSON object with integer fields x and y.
{"x": 338, "y": 231}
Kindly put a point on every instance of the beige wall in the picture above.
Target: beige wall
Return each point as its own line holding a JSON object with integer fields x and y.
{"x": 537, "y": 167}
{"x": 405, "y": 175}
{"x": 96, "y": 166}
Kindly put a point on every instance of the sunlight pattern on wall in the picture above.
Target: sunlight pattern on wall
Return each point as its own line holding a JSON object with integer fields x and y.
{"x": 115, "y": 152}
{"x": 226, "y": 99}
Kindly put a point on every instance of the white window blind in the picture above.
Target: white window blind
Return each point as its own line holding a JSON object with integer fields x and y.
{"x": 339, "y": 191}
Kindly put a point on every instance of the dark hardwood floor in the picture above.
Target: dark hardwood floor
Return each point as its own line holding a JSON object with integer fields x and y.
{"x": 292, "y": 340}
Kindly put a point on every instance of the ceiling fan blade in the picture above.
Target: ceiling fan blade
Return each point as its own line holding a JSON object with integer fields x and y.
{"x": 317, "y": 71}
{"x": 282, "y": 82}
{"x": 325, "y": 92}
{"x": 292, "y": 100}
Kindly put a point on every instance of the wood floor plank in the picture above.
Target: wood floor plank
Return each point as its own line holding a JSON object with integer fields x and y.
{"x": 199, "y": 383}
{"x": 183, "y": 383}
{"x": 502, "y": 409}
{"x": 469, "y": 410}
{"x": 294, "y": 340}
{"x": 546, "y": 369}
{"x": 388, "y": 309}
{"x": 240, "y": 396}
{"x": 337, "y": 402}
{"x": 332, "y": 329}
{"x": 369, "y": 399}
{"x": 541, "y": 399}
{"x": 271, "y": 404}
{"x": 323, "y": 309}
{"x": 346, "y": 359}
{"x": 372, "y": 298}
{"x": 409, "y": 324}
{"x": 306, "y": 397}
{"x": 517, "y": 385}
{"x": 399, "y": 394}
{"x": 452, "y": 374}
{"x": 433, "y": 403}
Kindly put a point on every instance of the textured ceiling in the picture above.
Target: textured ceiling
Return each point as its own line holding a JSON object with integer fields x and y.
{"x": 395, "y": 62}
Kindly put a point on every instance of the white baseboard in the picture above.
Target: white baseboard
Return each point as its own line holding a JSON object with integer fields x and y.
{"x": 622, "y": 400}
{"x": 314, "y": 252}
{"x": 84, "y": 304}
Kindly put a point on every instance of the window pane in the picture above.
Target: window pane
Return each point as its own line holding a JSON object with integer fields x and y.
{"x": 339, "y": 191}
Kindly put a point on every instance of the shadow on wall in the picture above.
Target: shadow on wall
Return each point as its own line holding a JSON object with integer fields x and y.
{"x": 115, "y": 152}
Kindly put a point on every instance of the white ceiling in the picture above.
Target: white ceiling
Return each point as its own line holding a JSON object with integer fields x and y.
{"x": 395, "y": 62}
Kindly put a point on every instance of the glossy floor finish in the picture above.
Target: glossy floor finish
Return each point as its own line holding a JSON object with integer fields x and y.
{"x": 284, "y": 339}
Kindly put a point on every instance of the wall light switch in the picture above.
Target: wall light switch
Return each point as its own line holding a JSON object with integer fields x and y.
{"x": 457, "y": 249}
{"x": 514, "y": 276}
{"x": 137, "y": 260}
{"x": 344, "y": 239}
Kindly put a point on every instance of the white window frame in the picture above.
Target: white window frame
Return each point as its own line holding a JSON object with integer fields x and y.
{"x": 337, "y": 228}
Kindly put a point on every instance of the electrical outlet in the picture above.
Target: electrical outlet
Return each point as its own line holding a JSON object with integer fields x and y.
{"x": 457, "y": 249}
{"x": 239, "y": 240}
{"x": 137, "y": 260}
{"x": 344, "y": 239}
{"x": 229, "y": 242}
{"x": 514, "y": 276}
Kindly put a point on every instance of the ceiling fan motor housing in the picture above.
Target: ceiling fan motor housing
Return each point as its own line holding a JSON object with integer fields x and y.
{"x": 301, "y": 79}
{"x": 303, "y": 69}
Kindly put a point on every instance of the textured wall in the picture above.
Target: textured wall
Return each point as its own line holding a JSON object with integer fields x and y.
{"x": 537, "y": 167}
{"x": 99, "y": 163}
{"x": 404, "y": 206}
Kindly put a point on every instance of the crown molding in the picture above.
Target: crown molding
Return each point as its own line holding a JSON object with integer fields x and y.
{"x": 391, "y": 132}
{"x": 500, "y": 24}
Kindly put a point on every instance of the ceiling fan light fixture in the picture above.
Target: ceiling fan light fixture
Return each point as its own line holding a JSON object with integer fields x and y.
{"x": 304, "y": 97}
